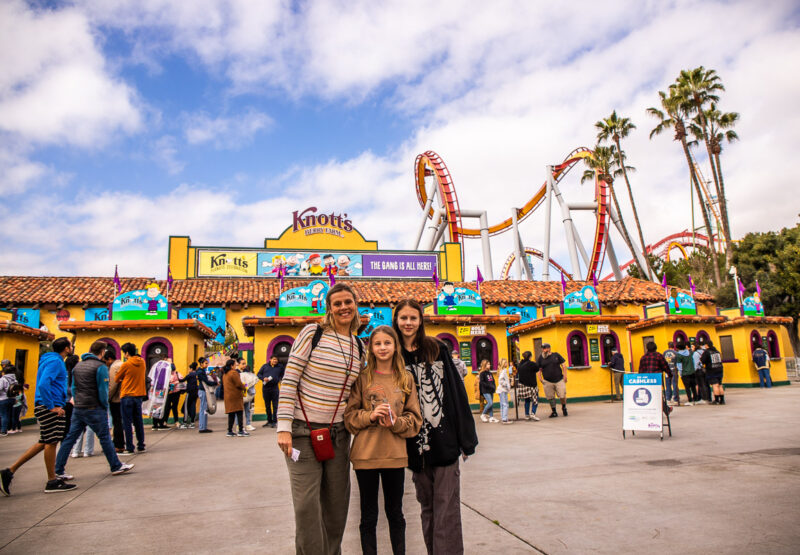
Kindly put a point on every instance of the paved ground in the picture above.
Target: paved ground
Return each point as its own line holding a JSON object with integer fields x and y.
{"x": 727, "y": 482}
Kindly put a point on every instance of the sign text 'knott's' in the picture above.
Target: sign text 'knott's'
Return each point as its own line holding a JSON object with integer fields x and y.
{"x": 312, "y": 223}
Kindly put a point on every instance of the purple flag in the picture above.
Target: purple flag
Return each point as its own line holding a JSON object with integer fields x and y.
{"x": 758, "y": 289}
{"x": 563, "y": 284}
{"x": 436, "y": 280}
{"x": 169, "y": 278}
{"x": 691, "y": 285}
{"x": 479, "y": 280}
{"x": 742, "y": 290}
{"x": 594, "y": 279}
{"x": 329, "y": 269}
{"x": 117, "y": 282}
{"x": 280, "y": 276}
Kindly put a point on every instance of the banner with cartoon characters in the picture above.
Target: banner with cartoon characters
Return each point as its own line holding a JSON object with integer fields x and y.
{"x": 214, "y": 318}
{"x": 303, "y": 264}
{"x": 308, "y": 300}
{"x": 752, "y": 306}
{"x": 140, "y": 304}
{"x": 458, "y": 300}
{"x": 584, "y": 302}
{"x": 27, "y": 316}
{"x": 95, "y": 314}
{"x": 681, "y": 303}
{"x": 378, "y": 316}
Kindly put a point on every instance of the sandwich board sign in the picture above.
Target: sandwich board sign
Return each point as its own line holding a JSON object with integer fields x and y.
{"x": 642, "y": 399}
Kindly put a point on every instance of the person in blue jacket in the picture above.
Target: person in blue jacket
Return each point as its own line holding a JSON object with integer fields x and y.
{"x": 51, "y": 397}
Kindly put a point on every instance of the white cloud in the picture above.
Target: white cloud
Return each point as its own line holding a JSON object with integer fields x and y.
{"x": 225, "y": 132}
{"x": 165, "y": 154}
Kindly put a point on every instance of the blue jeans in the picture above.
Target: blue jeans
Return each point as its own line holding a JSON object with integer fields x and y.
{"x": 86, "y": 442}
{"x": 503, "y": 406}
{"x": 201, "y": 394}
{"x": 5, "y": 414}
{"x": 489, "y": 408}
{"x": 247, "y": 412}
{"x": 672, "y": 386}
{"x": 764, "y": 379}
{"x": 132, "y": 416}
{"x": 530, "y": 409}
{"x": 97, "y": 421}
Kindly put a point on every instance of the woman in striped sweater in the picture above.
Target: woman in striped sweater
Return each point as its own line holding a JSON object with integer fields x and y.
{"x": 321, "y": 369}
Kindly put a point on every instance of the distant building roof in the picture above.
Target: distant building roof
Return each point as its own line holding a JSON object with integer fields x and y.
{"x": 132, "y": 325}
{"x": 22, "y": 329}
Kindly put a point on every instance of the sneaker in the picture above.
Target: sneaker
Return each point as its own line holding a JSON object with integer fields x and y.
{"x": 267, "y": 425}
{"x": 564, "y": 411}
{"x": 700, "y": 402}
{"x": 722, "y": 401}
{"x": 122, "y": 469}
{"x": 493, "y": 419}
{"x": 688, "y": 404}
{"x": 206, "y": 431}
{"x": 13, "y": 431}
{"x": 3, "y": 434}
{"x": 125, "y": 453}
{"x": 554, "y": 414}
{"x": 5, "y": 481}
{"x": 73, "y": 455}
{"x": 527, "y": 417}
{"x": 65, "y": 477}
{"x": 535, "y": 418}
{"x": 715, "y": 402}
{"x": 56, "y": 486}
{"x": 88, "y": 454}
{"x": 484, "y": 418}
{"x": 140, "y": 451}
{"x": 230, "y": 434}
{"x": 249, "y": 428}
{"x": 243, "y": 434}
{"x": 190, "y": 426}
{"x": 508, "y": 421}
{"x": 182, "y": 427}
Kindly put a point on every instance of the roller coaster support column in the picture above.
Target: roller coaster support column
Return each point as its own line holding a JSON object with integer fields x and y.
{"x": 519, "y": 251}
{"x": 566, "y": 217}
{"x": 485, "y": 246}
{"x": 612, "y": 258}
{"x": 430, "y": 190}
{"x": 637, "y": 254}
{"x": 548, "y": 203}
{"x": 438, "y": 228}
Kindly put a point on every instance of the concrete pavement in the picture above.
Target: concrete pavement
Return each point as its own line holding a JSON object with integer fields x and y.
{"x": 727, "y": 482}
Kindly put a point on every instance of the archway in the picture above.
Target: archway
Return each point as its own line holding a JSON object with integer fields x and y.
{"x": 155, "y": 349}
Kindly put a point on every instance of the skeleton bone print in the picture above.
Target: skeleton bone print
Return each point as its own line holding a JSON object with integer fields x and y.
{"x": 431, "y": 399}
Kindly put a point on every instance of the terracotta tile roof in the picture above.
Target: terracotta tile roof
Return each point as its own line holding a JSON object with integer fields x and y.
{"x": 22, "y": 329}
{"x": 755, "y": 321}
{"x": 17, "y": 290}
{"x": 128, "y": 325}
{"x": 676, "y": 319}
{"x": 573, "y": 319}
{"x": 468, "y": 319}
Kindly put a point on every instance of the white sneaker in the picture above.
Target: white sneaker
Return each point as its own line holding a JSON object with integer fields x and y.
{"x": 493, "y": 419}
{"x": 484, "y": 418}
{"x": 535, "y": 418}
{"x": 508, "y": 421}
{"x": 73, "y": 455}
{"x": 88, "y": 454}
{"x": 123, "y": 469}
{"x": 688, "y": 404}
{"x": 700, "y": 402}
{"x": 527, "y": 417}
{"x": 249, "y": 428}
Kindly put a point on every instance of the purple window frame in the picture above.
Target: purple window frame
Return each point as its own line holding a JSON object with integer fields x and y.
{"x": 113, "y": 344}
{"x": 450, "y": 339}
{"x": 580, "y": 334}
{"x": 474, "y": 351}
{"x": 777, "y": 353}
{"x": 702, "y": 333}
{"x": 613, "y": 334}
{"x": 152, "y": 340}
{"x": 274, "y": 343}
{"x": 679, "y": 334}
{"x": 757, "y": 344}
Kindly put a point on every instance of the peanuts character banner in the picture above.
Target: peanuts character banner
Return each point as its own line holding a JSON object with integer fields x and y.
{"x": 347, "y": 264}
{"x": 378, "y": 316}
{"x": 458, "y": 300}
{"x": 585, "y": 302}
{"x": 752, "y": 306}
{"x": 214, "y": 318}
{"x": 141, "y": 304}
{"x": 681, "y": 303}
{"x": 308, "y": 300}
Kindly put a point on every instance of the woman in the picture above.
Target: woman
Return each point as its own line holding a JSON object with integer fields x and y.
{"x": 447, "y": 431}
{"x": 317, "y": 382}
{"x": 503, "y": 389}
{"x": 528, "y": 387}
{"x": 382, "y": 411}
{"x": 173, "y": 401}
{"x": 234, "y": 401}
{"x": 487, "y": 387}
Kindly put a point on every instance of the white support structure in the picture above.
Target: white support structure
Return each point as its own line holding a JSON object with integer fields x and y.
{"x": 548, "y": 204}
{"x": 566, "y": 219}
{"x": 612, "y": 258}
{"x": 485, "y": 245}
{"x": 430, "y": 190}
{"x": 637, "y": 254}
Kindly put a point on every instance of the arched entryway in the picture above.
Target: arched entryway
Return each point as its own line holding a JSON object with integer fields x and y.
{"x": 155, "y": 349}
{"x": 280, "y": 347}
{"x": 484, "y": 348}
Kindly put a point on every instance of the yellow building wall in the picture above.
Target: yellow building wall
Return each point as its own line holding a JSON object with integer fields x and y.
{"x": 743, "y": 371}
{"x": 664, "y": 333}
{"x": 9, "y": 343}
{"x": 179, "y": 257}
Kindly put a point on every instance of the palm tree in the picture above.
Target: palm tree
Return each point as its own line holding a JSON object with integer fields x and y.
{"x": 601, "y": 164}
{"x": 617, "y": 128}
{"x": 699, "y": 87}
{"x": 672, "y": 115}
{"x": 718, "y": 129}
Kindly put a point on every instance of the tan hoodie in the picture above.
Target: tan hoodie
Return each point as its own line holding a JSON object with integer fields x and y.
{"x": 375, "y": 446}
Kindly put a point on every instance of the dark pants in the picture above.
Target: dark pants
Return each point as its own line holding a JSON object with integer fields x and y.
{"x": 232, "y": 416}
{"x": 6, "y": 406}
{"x": 132, "y": 420}
{"x": 271, "y": 396}
{"x": 16, "y": 414}
{"x": 391, "y": 479}
{"x": 116, "y": 421}
{"x": 690, "y": 385}
{"x": 702, "y": 385}
{"x": 439, "y": 496}
{"x": 97, "y": 420}
{"x": 67, "y": 416}
{"x": 190, "y": 408}
{"x": 172, "y": 404}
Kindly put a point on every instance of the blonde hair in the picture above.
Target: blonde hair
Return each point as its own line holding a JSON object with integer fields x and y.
{"x": 401, "y": 378}
{"x": 503, "y": 364}
{"x": 327, "y": 319}
{"x": 485, "y": 365}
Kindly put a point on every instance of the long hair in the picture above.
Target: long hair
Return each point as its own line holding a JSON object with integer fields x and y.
{"x": 228, "y": 366}
{"x": 485, "y": 365}
{"x": 400, "y": 377}
{"x": 502, "y": 364}
{"x": 327, "y": 319}
{"x": 428, "y": 345}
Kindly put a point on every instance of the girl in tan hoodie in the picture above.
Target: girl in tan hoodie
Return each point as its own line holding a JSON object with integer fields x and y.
{"x": 382, "y": 411}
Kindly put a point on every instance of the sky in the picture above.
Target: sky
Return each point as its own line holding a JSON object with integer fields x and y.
{"x": 123, "y": 122}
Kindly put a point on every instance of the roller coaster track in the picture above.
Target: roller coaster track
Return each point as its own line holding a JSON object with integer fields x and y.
{"x": 663, "y": 247}
{"x": 430, "y": 163}
{"x": 536, "y": 253}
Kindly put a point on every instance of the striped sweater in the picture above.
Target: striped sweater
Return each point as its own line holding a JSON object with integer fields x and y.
{"x": 318, "y": 379}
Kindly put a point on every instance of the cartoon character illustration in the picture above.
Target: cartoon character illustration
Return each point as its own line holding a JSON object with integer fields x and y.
{"x": 330, "y": 264}
{"x": 343, "y": 262}
{"x": 292, "y": 265}
{"x": 674, "y": 305}
{"x": 315, "y": 267}
{"x": 376, "y": 396}
{"x": 304, "y": 269}
{"x": 589, "y": 305}
{"x": 448, "y": 293}
{"x": 152, "y": 293}
{"x": 278, "y": 262}
{"x": 318, "y": 297}
{"x": 759, "y": 306}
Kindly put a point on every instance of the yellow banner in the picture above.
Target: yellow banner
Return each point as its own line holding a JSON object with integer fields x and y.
{"x": 227, "y": 263}
{"x": 464, "y": 331}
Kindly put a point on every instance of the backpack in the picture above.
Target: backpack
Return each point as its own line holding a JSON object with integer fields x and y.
{"x": 14, "y": 390}
{"x": 716, "y": 361}
{"x": 318, "y": 336}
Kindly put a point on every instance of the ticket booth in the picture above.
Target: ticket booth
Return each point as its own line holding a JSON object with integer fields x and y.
{"x": 20, "y": 344}
{"x": 740, "y": 336}
{"x": 689, "y": 329}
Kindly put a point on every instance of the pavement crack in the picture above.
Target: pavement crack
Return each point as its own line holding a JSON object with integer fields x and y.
{"x": 497, "y": 523}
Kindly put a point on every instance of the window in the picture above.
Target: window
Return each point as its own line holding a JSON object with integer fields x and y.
{"x": 20, "y": 358}
{"x": 448, "y": 340}
{"x": 755, "y": 340}
{"x": 483, "y": 351}
{"x": 703, "y": 338}
{"x": 680, "y": 337}
{"x": 576, "y": 349}
{"x": 772, "y": 342}
{"x": 608, "y": 341}
{"x": 194, "y": 353}
{"x": 646, "y": 340}
{"x": 726, "y": 348}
